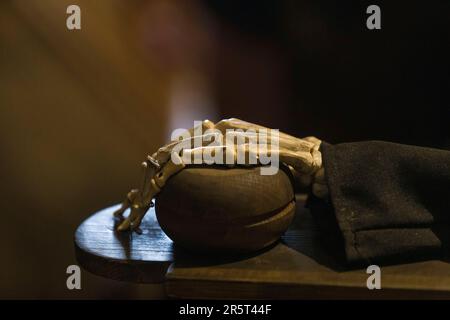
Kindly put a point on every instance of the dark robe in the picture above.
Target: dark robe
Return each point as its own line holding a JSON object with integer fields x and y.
{"x": 388, "y": 202}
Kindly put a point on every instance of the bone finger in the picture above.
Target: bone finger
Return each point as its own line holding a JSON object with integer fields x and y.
{"x": 149, "y": 171}
{"x": 125, "y": 225}
{"x": 234, "y": 123}
{"x": 205, "y": 125}
{"x": 173, "y": 166}
{"x": 135, "y": 213}
{"x": 164, "y": 153}
{"x": 230, "y": 155}
{"x": 302, "y": 162}
{"x": 269, "y": 139}
{"x": 314, "y": 140}
{"x": 126, "y": 203}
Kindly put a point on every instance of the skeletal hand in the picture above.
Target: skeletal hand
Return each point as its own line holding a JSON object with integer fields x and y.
{"x": 302, "y": 156}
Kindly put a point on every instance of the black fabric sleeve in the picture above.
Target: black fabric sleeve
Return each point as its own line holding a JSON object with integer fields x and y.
{"x": 390, "y": 201}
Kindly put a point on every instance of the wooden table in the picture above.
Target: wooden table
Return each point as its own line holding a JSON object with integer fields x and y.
{"x": 295, "y": 268}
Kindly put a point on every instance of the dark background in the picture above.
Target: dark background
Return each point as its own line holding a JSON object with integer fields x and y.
{"x": 81, "y": 109}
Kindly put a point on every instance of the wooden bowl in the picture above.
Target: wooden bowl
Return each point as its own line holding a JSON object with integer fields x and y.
{"x": 226, "y": 209}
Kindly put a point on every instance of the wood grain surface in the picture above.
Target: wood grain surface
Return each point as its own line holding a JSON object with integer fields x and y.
{"x": 203, "y": 208}
{"x": 297, "y": 267}
{"x": 142, "y": 258}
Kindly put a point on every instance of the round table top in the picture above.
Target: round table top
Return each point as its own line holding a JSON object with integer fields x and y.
{"x": 142, "y": 258}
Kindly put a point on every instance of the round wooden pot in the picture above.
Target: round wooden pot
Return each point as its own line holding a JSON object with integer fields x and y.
{"x": 226, "y": 209}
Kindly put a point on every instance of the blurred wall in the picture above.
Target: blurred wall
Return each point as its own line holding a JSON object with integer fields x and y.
{"x": 79, "y": 112}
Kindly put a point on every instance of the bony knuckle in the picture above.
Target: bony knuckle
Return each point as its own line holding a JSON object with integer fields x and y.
{"x": 222, "y": 123}
{"x": 208, "y": 124}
